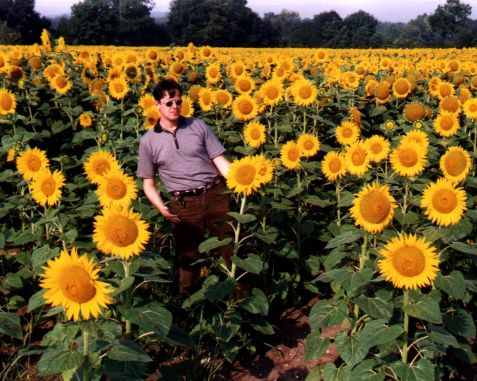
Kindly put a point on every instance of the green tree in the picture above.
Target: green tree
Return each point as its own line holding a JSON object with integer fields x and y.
{"x": 286, "y": 28}
{"x": 451, "y": 23}
{"x": 8, "y": 36}
{"x": 417, "y": 33}
{"x": 322, "y": 30}
{"x": 20, "y": 16}
{"x": 215, "y": 22}
{"x": 112, "y": 22}
{"x": 358, "y": 31}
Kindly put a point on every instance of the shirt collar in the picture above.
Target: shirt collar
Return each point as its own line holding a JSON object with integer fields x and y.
{"x": 158, "y": 128}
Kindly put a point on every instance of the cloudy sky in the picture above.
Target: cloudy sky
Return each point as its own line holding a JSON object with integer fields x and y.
{"x": 383, "y": 10}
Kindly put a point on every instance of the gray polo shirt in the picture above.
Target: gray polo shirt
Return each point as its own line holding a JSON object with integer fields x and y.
{"x": 183, "y": 159}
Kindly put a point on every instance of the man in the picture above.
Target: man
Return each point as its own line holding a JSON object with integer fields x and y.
{"x": 189, "y": 160}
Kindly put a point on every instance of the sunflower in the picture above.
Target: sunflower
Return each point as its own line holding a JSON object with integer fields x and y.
{"x": 272, "y": 92}
{"x": 446, "y": 124}
{"x": 443, "y": 203}
{"x": 120, "y": 232}
{"x": 98, "y": 164}
{"x": 450, "y": 104}
{"x": 236, "y": 69}
{"x": 244, "y": 84}
{"x": 409, "y": 262}
{"x": 333, "y": 165}
{"x": 389, "y": 125}
{"x": 31, "y": 162}
{"x": 373, "y": 208}
{"x": 132, "y": 72}
{"x": 370, "y": 87}
{"x": 72, "y": 282}
{"x": 347, "y": 133}
{"x": 408, "y": 159}
{"x": 187, "y": 108}
{"x": 114, "y": 72}
{"x": 304, "y": 92}
{"x": 382, "y": 92}
{"x": 444, "y": 89}
{"x": 417, "y": 136}
{"x": 116, "y": 189}
{"x": 61, "y": 84}
{"x": 11, "y": 154}
{"x": 244, "y": 107}
{"x": 8, "y": 102}
{"x": 152, "y": 116}
{"x": 205, "y": 99}
{"x": 377, "y": 148}
{"x": 46, "y": 187}
{"x": 470, "y": 108}
{"x": 206, "y": 52}
{"x": 401, "y": 88}
{"x": 85, "y": 120}
{"x": 243, "y": 176}
{"x": 290, "y": 155}
{"x": 264, "y": 169}
{"x": 118, "y": 88}
{"x": 222, "y": 97}
{"x": 455, "y": 164}
{"x": 212, "y": 73}
{"x": 254, "y": 134}
{"x": 308, "y": 144}
{"x": 414, "y": 111}
{"x": 146, "y": 101}
{"x": 357, "y": 159}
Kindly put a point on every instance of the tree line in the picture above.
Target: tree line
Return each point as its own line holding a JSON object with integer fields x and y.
{"x": 230, "y": 23}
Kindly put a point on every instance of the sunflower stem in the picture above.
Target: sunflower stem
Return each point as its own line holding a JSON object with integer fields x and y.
{"x": 338, "y": 200}
{"x": 85, "y": 354}
{"x": 126, "y": 265}
{"x": 362, "y": 259}
{"x": 237, "y": 237}
{"x": 304, "y": 121}
{"x": 405, "y": 327}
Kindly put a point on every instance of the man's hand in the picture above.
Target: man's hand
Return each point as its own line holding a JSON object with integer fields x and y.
{"x": 168, "y": 215}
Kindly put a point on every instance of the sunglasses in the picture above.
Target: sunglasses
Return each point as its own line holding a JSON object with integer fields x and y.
{"x": 178, "y": 102}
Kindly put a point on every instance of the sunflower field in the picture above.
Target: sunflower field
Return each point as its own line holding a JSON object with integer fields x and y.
{"x": 353, "y": 183}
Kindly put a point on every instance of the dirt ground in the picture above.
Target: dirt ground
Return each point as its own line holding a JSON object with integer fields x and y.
{"x": 285, "y": 361}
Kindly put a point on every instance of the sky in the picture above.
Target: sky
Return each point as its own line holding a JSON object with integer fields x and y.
{"x": 383, "y": 10}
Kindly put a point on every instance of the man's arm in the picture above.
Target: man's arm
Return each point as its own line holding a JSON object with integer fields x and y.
{"x": 222, "y": 164}
{"x": 155, "y": 198}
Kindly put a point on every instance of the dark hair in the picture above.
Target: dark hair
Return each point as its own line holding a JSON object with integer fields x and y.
{"x": 166, "y": 87}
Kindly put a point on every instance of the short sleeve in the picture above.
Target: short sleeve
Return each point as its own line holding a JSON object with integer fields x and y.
{"x": 212, "y": 144}
{"x": 145, "y": 162}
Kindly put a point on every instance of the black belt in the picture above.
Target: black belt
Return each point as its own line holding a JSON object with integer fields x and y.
{"x": 196, "y": 191}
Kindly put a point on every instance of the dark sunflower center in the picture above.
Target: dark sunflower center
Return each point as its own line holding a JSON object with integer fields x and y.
{"x": 444, "y": 201}
{"x": 102, "y": 167}
{"x": 358, "y": 157}
{"x": 305, "y": 92}
{"x": 245, "y": 107}
{"x": 409, "y": 261}
{"x": 455, "y": 163}
{"x": 246, "y": 174}
{"x": 408, "y": 157}
{"x": 375, "y": 207}
{"x": 116, "y": 189}
{"x": 121, "y": 231}
{"x": 77, "y": 285}
{"x": 48, "y": 186}
{"x": 33, "y": 163}
{"x": 335, "y": 165}
{"x": 255, "y": 134}
{"x": 5, "y": 101}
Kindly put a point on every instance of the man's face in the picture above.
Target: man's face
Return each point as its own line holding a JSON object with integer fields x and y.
{"x": 170, "y": 106}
